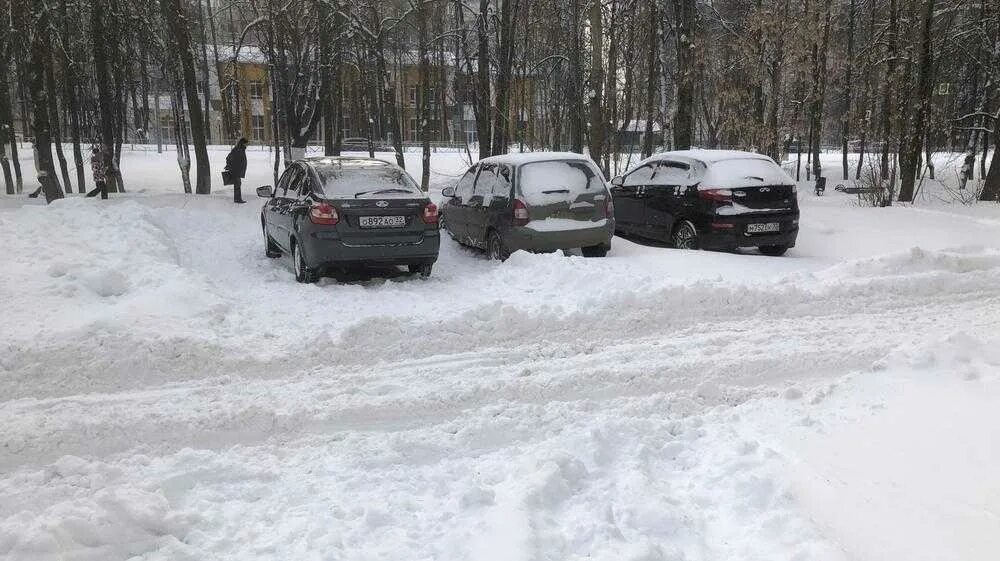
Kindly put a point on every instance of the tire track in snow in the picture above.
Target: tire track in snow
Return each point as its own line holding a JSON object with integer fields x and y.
{"x": 704, "y": 365}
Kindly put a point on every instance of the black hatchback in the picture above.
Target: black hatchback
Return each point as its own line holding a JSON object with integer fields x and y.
{"x": 709, "y": 199}
{"x": 333, "y": 213}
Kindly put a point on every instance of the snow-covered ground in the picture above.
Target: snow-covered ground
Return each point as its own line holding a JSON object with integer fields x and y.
{"x": 166, "y": 392}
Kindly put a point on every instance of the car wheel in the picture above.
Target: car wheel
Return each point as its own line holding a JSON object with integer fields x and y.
{"x": 773, "y": 250}
{"x": 303, "y": 273}
{"x": 424, "y": 269}
{"x": 495, "y": 249}
{"x": 271, "y": 249}
{"x": 685, "y": 236}
{"x": 595, "y": 250}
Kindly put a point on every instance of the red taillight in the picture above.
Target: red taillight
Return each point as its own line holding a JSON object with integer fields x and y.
{"x": 431, "y": 214}
{"x": 723, "y": 226}
{"x": 717, "y": 195}
{"x": 323, "y": 213}
{"x": 520, "y": 213}
{"x": 609, "y": 208}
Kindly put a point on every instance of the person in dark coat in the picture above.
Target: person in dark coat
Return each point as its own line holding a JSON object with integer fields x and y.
{"x": 236, "y": 165}
{"x": 100, "y": 172}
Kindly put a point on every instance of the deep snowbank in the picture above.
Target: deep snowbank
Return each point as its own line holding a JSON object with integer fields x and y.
{"x": 167, "y": 392}
{"x": 854, "y": 468}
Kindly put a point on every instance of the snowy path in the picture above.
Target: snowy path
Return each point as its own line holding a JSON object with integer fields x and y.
{"x": 526, "y": 358}
{"x": 654, "y": 405}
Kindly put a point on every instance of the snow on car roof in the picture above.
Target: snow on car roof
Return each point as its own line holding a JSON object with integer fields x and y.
{"x": 719, "y": 155}
{"x": 356, "y": 161}
{"x": 713, "y": 169}
{"x": 521, "y": 158}
{"x": 710, "y": 156}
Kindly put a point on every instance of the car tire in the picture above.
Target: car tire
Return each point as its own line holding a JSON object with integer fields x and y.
{"x": 423, "y": 269}
{"x": 773, "y": 250}
{"x": 271, "y": 249}
{"x": 495, "y": 249}
{"x": 303, "y": 273}
{"x": 685, "y": 236}
{"x": 595, "y": 250}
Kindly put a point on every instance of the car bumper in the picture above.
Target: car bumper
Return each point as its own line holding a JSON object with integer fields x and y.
{"x": 731, "y": 232}
{"x": 326, "y": 250}
{"x": 528, "y": 239}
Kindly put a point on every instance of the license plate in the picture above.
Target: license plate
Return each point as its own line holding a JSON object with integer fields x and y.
{"x": 382, "y": 221}
{"x": 763, "y": 227}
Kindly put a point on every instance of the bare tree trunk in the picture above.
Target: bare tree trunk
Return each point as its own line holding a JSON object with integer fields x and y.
{"x": 772, "y": 143}
{"x": 685, "y": 14}
{"x": 652, "y": 73}
{"x": 330, "y": 71}
{"x": 205, "y": 81}
{"x": 610, "y": 117}
{"x": 6, "y": 121}
{"x": 180, "y": 134}
{"x": 228, "y": 126}
{"x": 484, "y": 123}
{"x": 388, "y": 87}
{"x": 575, "y": 91}
{"x": 104, "y": 93}
{"x": 337, "y": 98}
{"x": 50, "y": 87}
{"x": 991, "y": 187}
{"x": 444, "y": 131}
{"x": 70, "y": 95}
{"x": 886, "y": 111}
{"x": 848, "y": 88}
{"x": 425, "y": 79}
{"x": 18, "y": 179}
{"x": 820, "y": 51}
{"x": 597, "y": 120}
{"x": 991, "y": 184}
{"x": 911, "y": 143}
{"x": 174, "y": 15}
{"x": 501, "y": 116}
{"x": 40, "y": 48}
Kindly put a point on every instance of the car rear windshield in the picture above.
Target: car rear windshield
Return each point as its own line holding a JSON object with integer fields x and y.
{"x": 361, "y": 179}
{"x": 745, "y": 172}
{"x": 543, "y": 183}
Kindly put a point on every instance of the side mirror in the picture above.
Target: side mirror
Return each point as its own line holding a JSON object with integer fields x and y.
{"x": 265, "y": 192}
{"x": 618, "y": 181}
{"x": 448, "y": 192}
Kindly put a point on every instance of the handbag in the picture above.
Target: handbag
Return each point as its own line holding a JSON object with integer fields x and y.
{"x": 227, "y": 177}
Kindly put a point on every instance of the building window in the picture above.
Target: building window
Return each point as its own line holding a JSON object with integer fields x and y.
{"x": 257, "y": 128}
{"x": 345, "y": 127}
{"x": 414, "y": 129}
{"x": 413, "y": 96}
{"x": 256, "y": 90}
{"x": 944, "y": 88}
{"x": 166, "y": 129}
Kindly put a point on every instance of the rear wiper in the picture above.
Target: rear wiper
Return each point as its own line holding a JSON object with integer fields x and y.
{"x": 376, "y": 191}
{"x": 551, "y": 191}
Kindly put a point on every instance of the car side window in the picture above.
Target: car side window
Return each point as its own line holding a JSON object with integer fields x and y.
{"x": 484, "y": 184}
{"x": 463, "y": 191}
{"x": 305, "y": 185}
{"x": 671, "y": 173}
{"x": 282, "y": 188}
{"x": 502, "y": 185}
{"x": 640, "y": 176}
{"x": 293, "y": 182}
